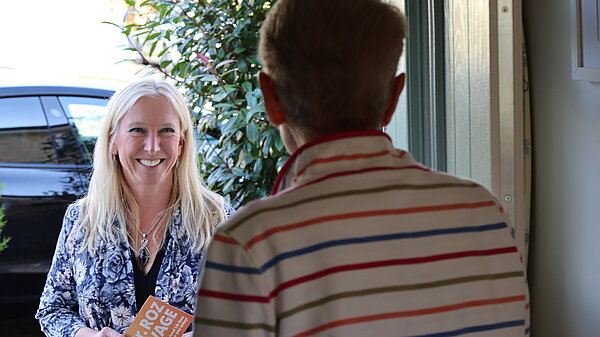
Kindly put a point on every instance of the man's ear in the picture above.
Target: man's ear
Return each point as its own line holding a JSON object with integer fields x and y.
{"x": 273, "y": 106}
{"x": 390, "y": 108}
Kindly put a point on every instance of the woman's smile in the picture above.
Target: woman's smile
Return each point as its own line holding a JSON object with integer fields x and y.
{"x": 150, "y": 163}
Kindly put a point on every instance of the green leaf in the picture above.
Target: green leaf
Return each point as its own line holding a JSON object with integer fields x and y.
{"x": 251, "y": 99}
{"x": 220, "y": 96}
{"x": 247, "y": 86}
{"x": 238, "y": 172}
{"x": 209, "y": 78}
{"x": 258, "y": 165}
{"x": 242, "y": 65}
{"x": 239, "y": 135}
{"x": 278, "y": 144}
{"x": 222, "y": 63}
{"x": 114, "y": 24}
{"x": 252, "y": 131}
{"x": 153, "y": 36}
{"x": 228, "y": 186}
{"x": 152, "y": 47}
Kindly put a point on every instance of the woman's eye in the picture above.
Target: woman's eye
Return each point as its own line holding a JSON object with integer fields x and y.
{"x": 136, "y": 130}
{"x": 168, "y": 130}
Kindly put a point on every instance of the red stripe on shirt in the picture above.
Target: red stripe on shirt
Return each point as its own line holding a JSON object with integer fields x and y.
{"x": 387, "y": 263}
{"x": 352, "y": 267}
{"x": 353, "y": 172}
{"x": 411, "y": 313}
{"x": 354, "y": 215}
{"x": 343, "y": 157}
{"x": 233, "y": 297}
{"x": 224, "y": 239}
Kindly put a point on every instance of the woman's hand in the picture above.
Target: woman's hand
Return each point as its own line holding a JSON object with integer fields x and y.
{"x": 105, "y": 332}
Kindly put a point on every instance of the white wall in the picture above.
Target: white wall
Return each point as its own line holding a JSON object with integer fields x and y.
{"x": 564, "y": 266}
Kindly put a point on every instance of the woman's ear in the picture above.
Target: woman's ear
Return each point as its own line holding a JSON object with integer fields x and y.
{"x": 181, "y": 144}
{"x": 273, "y": 106}
{"x": 113, "y": 146}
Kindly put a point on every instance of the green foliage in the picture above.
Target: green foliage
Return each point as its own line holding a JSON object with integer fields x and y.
{"x": 209, "y": 48}
{"x": 3, "y": 241}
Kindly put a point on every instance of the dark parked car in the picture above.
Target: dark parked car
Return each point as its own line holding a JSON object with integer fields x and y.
{"x": 47, "y": 136}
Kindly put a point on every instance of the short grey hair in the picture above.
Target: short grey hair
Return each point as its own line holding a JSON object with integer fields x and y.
{"x": 332, "y": 62}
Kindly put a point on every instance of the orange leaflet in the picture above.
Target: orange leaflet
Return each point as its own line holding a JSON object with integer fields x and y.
{"x": 159, "y": 319}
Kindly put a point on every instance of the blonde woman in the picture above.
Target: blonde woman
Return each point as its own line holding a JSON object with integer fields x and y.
{"x": 143, "y": 224}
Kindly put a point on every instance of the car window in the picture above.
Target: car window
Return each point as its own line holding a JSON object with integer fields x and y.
{"x": 64, "y": 136}
{"x": 86, "y": 115}
{"x": 24, "y": 134}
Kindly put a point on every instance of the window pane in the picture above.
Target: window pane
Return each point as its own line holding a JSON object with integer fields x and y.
{"x": 23, "y": 132}
{"x": 21, "y": 112}
{"x": 66, "y": 141}
{"x": 398, "y": 127}
{"x": 86, "y": 115}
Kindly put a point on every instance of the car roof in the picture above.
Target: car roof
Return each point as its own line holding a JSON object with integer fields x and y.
{"x": 54, "y": 91}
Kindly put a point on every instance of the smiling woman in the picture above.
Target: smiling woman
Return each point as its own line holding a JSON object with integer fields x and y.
{"x": 143, "y": 224}
{"x": 148, "y": 142}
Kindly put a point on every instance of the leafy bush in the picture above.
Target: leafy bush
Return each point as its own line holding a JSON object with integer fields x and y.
{"x": 209, "y": 48}
{"x": 3, "y": 241}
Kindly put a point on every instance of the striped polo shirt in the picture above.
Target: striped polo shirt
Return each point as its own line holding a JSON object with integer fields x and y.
{"x": 358, "y": 239}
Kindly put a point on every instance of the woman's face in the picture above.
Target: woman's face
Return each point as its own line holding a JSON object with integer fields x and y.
{"x": 148, "y": 143}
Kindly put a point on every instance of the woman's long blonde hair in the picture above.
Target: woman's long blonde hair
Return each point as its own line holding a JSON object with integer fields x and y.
{"x": 109, "y": 203}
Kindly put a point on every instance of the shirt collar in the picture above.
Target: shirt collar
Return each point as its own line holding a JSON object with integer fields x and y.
{"x": 334, "y": 153}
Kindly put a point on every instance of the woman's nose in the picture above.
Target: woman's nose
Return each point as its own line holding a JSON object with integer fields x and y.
{"x": 152, "y": 145}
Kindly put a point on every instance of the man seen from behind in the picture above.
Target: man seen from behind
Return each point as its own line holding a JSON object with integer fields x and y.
{"x": 358, "y": 239}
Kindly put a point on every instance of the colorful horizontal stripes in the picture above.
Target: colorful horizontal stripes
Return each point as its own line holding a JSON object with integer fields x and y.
{"x": 332, "y": 253}
{"x": 347, "y": 193}
{"x": 352, "y": 241}
{"x": 385, "y": 316}
{"x": 360, "y": 266}
{"x": 410, "y": 313}
{"x": 364, "y": 214}
{"x": 392, "y": 289}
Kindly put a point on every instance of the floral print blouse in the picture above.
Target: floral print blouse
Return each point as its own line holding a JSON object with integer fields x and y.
{"x": 98, "y": 291}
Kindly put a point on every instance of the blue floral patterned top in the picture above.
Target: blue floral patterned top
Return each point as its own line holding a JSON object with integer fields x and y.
{"x": 98, "y": 291}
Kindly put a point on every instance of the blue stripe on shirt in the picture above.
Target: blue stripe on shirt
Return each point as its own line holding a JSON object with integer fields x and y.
{"x": 351, "y": 241}
{"x": 478, "y": 328}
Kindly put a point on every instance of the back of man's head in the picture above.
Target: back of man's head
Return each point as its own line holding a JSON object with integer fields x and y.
{"x": 332, "y": 61}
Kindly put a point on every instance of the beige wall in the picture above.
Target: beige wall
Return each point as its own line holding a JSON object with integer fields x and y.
{"x": 564, "y": 267}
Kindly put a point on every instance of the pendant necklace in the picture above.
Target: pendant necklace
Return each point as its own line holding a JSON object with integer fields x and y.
{"x": 144, "y": 253}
